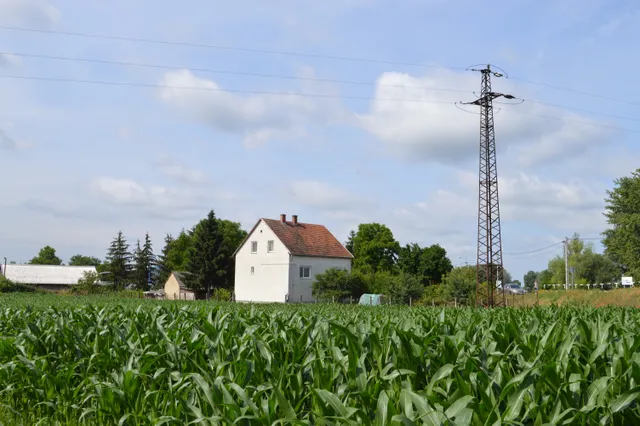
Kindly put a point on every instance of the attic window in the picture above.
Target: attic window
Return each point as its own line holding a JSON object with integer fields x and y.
{"x": 269, "y": 246}
{"x": 254, "y": 246}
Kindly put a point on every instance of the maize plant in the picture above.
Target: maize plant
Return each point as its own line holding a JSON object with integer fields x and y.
{"x": 101, "y": 361}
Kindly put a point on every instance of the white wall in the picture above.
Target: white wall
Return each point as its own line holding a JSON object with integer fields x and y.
{"x": 302, "y": 287}
{"x": 270, "y": 280}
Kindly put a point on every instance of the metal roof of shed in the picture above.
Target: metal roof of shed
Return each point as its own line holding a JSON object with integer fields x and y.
{"x": 45, "y": 274}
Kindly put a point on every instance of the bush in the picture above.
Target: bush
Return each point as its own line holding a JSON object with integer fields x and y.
{"x": 338, "y": 285}
{"x": 8, "y": 286}
{"x": 221, "y": 294}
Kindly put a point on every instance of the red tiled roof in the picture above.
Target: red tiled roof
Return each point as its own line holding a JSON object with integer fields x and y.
{"x": 306, "y": 239}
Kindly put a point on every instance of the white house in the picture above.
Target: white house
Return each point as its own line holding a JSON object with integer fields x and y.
{"x": 279, "y": 260}
{"x": 50, "y": 277}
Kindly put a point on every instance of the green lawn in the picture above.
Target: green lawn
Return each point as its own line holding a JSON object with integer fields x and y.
{"x": 103, "y": 361}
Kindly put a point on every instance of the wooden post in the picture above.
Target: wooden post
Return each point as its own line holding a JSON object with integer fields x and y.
{"x": 409, "y": 300}
{"x": 455, "y": 302}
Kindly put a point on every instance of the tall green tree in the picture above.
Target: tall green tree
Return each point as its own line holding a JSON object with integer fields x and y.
{"x": 429, "y": 264}
{"x": 349, "y": 243}
{"x": 144, "y": 261}
{"x": 119, "y": 261}
{"x": 460, "y": 283}
{"x": 233, "y": 235}
{"x": 46, "y": 256}
{"x": 81, "y": 260}
{"x": 622, "y": 210}
{"x": 175, "y": 255}
{"x": 208, "y": 259}
{"x": 375, "y": 249}
{"x": 530, "y": 279}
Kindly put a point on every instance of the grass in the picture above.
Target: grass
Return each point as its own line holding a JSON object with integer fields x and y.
{"x": 629, "y": 297}
{"x": 103, "y": 361}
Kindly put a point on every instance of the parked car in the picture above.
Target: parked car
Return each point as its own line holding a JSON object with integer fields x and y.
{"x": 514, "y": 289}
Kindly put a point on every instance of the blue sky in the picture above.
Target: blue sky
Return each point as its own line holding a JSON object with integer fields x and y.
{"x": 81, "y": 161}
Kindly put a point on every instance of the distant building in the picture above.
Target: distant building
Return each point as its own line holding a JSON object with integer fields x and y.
{"x": 176, "y": 289}
{"x": 279, "y": 260}
{"x": 48, "y": 277}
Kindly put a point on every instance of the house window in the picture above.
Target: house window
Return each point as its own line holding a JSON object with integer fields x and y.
{"x": 269, "y": 246}
{"x": 252, "y": 270}
{"x": 305, "y": 272}
{"x": 254, "y": 246}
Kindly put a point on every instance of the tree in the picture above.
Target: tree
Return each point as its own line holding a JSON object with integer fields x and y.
{"x": 374, "y": 248}
{"x": 233, "y": 235}
{"x": 529, "y": 280}
{"x": 461, "y": 283}
{"x": 622, "y": 210}
{"x": 144, "y": 261}
{"x": 80, "y": 260}
{"x": 506, "y": 277}
{"x": 349, "y": 243}
{"x": 118, "y": 259}
{"x": 46, "y": 256}
{"x": 207, "y": 260}
{"x": 595, "y": 268}
{"x": 404, "y": 288}
{"x": 430, "y": 264}
{"x": 336, "y": 284}
{"x": 174, "y": 256}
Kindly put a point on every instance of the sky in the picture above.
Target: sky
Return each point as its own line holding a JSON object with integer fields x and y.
{"x": 342, "y": 112}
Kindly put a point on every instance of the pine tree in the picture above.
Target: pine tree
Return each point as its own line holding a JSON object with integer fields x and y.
{"x": 151, "y": 262}
{"x": 164, "y": 263}
{"x": 118, "y": 259}
{"x": 207, "y": 256}
{"x": 144, "y": 261}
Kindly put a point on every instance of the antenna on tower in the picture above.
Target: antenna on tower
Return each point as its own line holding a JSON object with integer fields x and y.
{"x": 489, "y": 267}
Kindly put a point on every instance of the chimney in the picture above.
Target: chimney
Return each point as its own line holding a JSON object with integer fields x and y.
{"x": 294, "y": 218}
{"x": 283, "y": 218}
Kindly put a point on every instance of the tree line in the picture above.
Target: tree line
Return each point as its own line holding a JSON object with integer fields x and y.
{"x": 621, "y": 243}
{"x": 205, "y": 252}
{"x": 405, "y": 274}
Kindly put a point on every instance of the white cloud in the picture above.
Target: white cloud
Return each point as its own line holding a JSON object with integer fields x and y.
{"x": 569, "y": 206}
{"x": 322, "y": 195}
{"x": 7, "y": 142}
{"x": 32, "y": 13}
{"x": 259, "y": 117}
{"x": 428, "y": 127}
{"x": 174, "y": 170}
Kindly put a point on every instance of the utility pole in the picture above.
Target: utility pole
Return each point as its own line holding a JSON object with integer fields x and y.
{"x": 566, "y": 263}
{"x": 489, "y": 267}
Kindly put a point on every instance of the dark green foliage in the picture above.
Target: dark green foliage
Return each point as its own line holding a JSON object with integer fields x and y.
{"x": 622, "y": 239}
{"x": 429, "y": 263}
{"x": 8, "y": 286}
{"x": 207, "y": 261}
{"x": 118, "y": 260}
{"x": 529, "y": 280}
{"x": 144, "y": 262}
{"x": 46, "y": 256}
{"x": 232, "y": 235}
{"x": 80, "y": 260}
{"x": 375, "y": 249}
{"x": 175, "y": 255}
{"x": 338, "y": 285}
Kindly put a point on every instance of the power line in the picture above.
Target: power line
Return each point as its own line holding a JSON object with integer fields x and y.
{"x": 217, "y": 71}
{"x": 275, "y": 93}
{"x": 579, "y": 92}
{"x": 222, "y": 47}
{"x": 289, "y": 77}
{"x": 534, "y": 251}
{"x": 299, "y": 54}
{"x": 214, "y": 89}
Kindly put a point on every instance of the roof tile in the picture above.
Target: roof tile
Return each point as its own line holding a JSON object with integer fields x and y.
{"x": 306, "y": 239}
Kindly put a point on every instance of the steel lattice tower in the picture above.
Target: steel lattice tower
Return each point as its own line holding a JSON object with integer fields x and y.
{"x": 489, "y": 268}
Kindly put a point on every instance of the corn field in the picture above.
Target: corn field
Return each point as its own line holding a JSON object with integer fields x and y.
{"x": 175, "y": 363}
